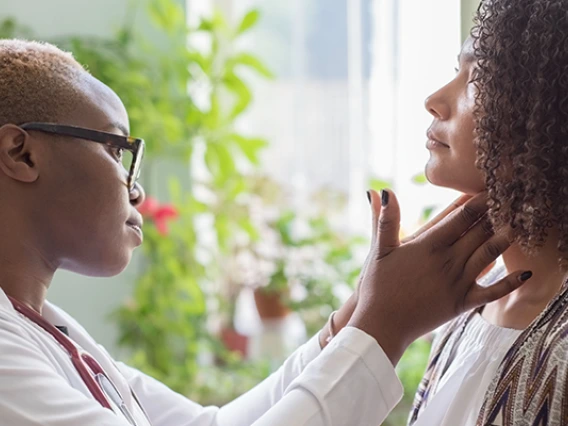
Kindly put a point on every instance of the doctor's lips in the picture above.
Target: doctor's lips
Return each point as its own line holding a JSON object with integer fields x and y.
{"x": 434, "y": 142}
{"x": 135, "y": 221}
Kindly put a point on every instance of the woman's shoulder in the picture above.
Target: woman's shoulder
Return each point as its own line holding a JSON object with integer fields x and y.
{"x": 547, "y": 337}
{"x": 534, "y": 372}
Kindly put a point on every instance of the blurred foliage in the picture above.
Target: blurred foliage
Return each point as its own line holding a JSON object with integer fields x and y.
{"x": 10, "y": 28}
{"x": 332, "y": 248}
{"x": 420, "y": 179}
{"x": 166, "y": 323}
{"x": 379, "y": 184}
{"x": 410, "y": 370}
{"x": 298, "y": 252}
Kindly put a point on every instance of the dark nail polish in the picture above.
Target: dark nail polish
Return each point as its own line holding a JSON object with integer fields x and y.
{"x": 526, "y": 275}
{"x": 369, "y": 196}
{"x": 384, "y": 197}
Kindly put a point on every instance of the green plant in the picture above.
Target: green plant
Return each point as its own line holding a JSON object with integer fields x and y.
{"x": 10, "y": 28}
{"x": 166, "y": 323}
{"x": 324, "y": 258}
{"x": 298, "y": 253}
{"x": 410, "y": 370}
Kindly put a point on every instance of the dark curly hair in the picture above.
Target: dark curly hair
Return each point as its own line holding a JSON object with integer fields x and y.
{"x": 521, "y": 48}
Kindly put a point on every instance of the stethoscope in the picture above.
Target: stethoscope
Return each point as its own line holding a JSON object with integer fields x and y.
{"x": 92, "y": 374}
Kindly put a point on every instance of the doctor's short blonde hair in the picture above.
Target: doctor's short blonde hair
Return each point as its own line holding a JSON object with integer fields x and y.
{"x": 37, "y": 82}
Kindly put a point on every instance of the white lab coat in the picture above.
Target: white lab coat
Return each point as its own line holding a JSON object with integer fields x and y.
{"x": 351, "y": 382}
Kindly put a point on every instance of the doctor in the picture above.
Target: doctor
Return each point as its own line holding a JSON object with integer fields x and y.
{"x": 67, "y": 202}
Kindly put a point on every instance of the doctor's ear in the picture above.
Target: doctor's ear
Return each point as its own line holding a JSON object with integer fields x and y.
{"x": 18, "y": 154}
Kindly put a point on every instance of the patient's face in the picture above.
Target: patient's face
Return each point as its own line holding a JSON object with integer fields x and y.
{"x": 452, "y": 157}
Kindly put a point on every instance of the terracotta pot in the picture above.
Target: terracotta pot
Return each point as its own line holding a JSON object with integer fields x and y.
{"x": 234, "y": 341}
{"x": 269, "y": 304}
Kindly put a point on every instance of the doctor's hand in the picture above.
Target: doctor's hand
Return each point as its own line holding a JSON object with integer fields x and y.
{"x": 411, "y": 287}
{"x": 343, "y": 315}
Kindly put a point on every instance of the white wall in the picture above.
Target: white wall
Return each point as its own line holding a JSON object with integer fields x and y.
{"x": 61, "y": 17}
{"x": 89, "y": 300}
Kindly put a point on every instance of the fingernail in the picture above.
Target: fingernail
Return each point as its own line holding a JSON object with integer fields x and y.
{"x": 384, "y": 197}
{"x": 369, "y": 196}
{"x": 525, "y": 276}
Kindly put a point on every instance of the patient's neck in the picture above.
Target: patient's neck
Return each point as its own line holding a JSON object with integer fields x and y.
{"x": 521, "y": 307}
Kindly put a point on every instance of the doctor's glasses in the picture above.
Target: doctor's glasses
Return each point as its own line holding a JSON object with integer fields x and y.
{"x": 127, "y": 149}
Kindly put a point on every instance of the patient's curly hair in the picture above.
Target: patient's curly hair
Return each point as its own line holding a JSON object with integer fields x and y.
{"x": 521, "y": 47}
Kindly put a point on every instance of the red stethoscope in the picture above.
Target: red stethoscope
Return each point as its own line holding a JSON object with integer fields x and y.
{"x": 93, "y": 375}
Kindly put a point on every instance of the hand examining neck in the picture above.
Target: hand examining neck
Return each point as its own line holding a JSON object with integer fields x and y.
{"x": 411, "y": 287}
{"x": 343, "y": 315}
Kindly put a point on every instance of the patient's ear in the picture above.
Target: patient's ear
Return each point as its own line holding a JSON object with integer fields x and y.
{"x": 18, "y": 154}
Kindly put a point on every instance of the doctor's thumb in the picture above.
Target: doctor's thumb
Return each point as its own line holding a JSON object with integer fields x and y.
{"x": 389, "y": 223}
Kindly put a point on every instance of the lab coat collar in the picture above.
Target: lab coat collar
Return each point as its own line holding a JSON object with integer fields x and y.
{"x": 5, "y": 303}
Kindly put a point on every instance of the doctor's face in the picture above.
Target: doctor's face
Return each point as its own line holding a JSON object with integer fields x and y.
{"x": 88, "y": 213}
{"x": 451, "y": 135}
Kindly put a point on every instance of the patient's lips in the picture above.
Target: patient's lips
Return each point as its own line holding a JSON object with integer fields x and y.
{"x": 434, "y": 141}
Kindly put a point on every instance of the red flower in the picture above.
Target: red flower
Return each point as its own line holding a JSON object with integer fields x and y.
{"x": 148, "y": 207}
{"x": 164, "y": 214}
{"x": 158, "y": 213}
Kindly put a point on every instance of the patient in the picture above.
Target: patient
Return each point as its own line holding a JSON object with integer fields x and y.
{"x": 502, "y": 125}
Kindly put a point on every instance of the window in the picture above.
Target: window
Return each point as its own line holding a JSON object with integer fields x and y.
{"x": 347, "y": 102}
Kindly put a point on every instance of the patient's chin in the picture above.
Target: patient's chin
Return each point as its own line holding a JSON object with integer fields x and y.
{"x": 439, "y": 176}
{"x": 446, "y": 178}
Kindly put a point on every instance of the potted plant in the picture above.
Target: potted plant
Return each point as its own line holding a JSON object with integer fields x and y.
{"x": 299, "y": 259}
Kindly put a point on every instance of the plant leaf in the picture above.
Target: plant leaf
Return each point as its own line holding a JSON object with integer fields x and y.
{"x": 250, "y": 147}
{"x": 427, "y": 212}
{"x": 167, "y": 15}
{"x": 420, "y": 179}
{"x": 205, "y": 25}
{"x": 254, "y": 63}
{"x": 241, "y": 91}
{"x": 249, "y": 21}
{"x": 379, "y": 184}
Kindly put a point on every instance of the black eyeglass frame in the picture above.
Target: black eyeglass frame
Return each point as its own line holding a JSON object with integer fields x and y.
{"x": 134, "y": 145}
